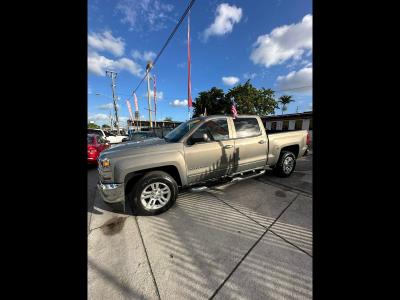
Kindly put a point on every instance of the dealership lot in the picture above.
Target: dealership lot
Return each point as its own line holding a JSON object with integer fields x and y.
{"x": 248, "y": 240}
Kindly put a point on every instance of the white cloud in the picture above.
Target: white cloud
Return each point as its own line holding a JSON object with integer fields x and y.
{"x": 297, "y": 79}
{"x": 98, "y": 117}
{"x": 160, "y": 95}
{"x": 106, "y": 42}
{"x": 230, "y": 80}
{"x": 98, "y": 64}
{"x": 249, "y": 75}
{"x": 226, "y": 17}
{"x": 145, "y": 56}
{"x": 144, "y": 13}
{"x": 283, "y": 43}
{"x": 89, "y": 90}
{"x": 107, "y": 106}
{"x": 179, "y": 103}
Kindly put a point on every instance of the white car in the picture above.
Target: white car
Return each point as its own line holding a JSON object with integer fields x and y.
{"x": 114, "y": 139}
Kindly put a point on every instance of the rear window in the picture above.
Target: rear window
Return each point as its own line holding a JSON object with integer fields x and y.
{"x": 246, "y": 127}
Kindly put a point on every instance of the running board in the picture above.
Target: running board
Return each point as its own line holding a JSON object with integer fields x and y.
{"x": 234, "y": 179}
{"x": 243, "y": 177}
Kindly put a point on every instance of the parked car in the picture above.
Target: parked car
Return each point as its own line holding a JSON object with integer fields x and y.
{"x": 114, "y": 139}
{"x": 137, "y": 136}
{"x": 149, "y": 174}
{"x": 95, "y": 144}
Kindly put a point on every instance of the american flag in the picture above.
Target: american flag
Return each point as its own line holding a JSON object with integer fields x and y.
{"x": 233, "y": 110}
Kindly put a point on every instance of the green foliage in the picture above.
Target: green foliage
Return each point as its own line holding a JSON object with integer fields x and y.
{"x": 213, "y": 100}
{"x": 168, "y": 119}
{"x": 93, "y": 126}
{"x": 249, "y": 100}
{"x": 284, "y": 101}
{"x": 104, "y": 126}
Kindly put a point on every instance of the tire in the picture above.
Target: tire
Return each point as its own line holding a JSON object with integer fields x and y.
{"x": 148, "y": 196}
{"x": 286, "y": 164}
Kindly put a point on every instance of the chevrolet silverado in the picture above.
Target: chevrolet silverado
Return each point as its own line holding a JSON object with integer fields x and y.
{"x": 148, "y": 174}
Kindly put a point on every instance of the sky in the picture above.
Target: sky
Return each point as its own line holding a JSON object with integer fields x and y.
{"x": 268, "y": 42}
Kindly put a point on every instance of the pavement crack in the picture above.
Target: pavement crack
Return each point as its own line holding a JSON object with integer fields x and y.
{"x": 258, "y": 223}
{"x": 148, "y": 260}
{"x": 251, "y": 248}
{"x": 287, "y": 241}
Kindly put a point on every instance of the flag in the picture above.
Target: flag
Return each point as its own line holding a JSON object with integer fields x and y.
{"x": 136, "y": 102}
{"x": 189, "y": 82}
{"x": 129, "y": 108}
{"x": 233, "y": 110}
{"x": 155, "y": 99}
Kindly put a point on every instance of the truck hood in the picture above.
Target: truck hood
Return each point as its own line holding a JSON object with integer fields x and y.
{"x": 131, "y": 148}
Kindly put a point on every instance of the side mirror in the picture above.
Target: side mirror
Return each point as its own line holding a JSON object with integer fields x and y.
{"x": 205, "y": 137}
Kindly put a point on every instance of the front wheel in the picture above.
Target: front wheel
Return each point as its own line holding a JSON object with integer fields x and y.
{"x": 153, "y": 194}
{"x": 286, "y": 164}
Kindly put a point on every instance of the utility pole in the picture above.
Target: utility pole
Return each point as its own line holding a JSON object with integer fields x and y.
{"x": 111, "y": 122}
{"x": 148, "y": 68}
{"x": 113, "y": 75}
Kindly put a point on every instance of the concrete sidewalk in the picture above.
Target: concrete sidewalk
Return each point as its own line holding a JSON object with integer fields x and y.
{"x": 249, "y": 240}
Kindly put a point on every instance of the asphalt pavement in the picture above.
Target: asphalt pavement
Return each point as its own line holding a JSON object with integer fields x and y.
{"x": 248, "y": 240}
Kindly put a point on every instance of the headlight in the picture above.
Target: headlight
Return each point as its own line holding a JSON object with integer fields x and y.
{"x": 105, "y": 163}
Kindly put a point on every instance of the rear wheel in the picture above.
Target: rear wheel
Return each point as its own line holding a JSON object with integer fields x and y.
{"x": 153, "y": 194}
{"x": 286, "y": 164}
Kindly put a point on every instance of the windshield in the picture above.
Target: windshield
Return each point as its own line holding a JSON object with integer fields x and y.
{"x": 176, "y": 134}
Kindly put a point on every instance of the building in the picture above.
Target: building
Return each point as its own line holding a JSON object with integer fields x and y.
{"x": 297, "y": 121}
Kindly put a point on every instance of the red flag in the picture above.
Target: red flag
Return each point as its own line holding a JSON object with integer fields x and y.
{"x": 155, "y": 99}
{"x": 136, "y": 102}
{"x": 189, "y": 83}
{"x": 129, "y": 109}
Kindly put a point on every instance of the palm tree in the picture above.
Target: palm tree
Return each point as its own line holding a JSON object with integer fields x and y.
{"x": 285, "y": 100}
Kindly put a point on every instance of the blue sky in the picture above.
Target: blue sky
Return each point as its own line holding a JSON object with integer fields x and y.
{"x": 231, "y": 41}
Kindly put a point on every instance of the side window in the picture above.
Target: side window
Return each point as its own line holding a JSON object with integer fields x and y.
{"x": 246, "y": 127}
{"x": 98, "y": 139}
{"x": 216, "y": 130}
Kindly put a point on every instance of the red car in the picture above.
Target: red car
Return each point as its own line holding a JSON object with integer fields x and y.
{"x": 96, "y": 144}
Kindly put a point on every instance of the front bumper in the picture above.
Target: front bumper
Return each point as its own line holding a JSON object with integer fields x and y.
{"x": 111, "y": 192}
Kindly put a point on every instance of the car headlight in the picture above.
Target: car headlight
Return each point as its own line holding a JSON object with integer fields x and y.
{"x": 105, "y": 162}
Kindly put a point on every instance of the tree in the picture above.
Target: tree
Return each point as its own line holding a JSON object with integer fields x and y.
{"x": 251, "y": 100}
{"x": 105, "y": 126}
{"x": 93, "y": 126}
{"x": 284, "y": 101}
{"x": 168, "y": 119}
{"x": 213, "y": 100}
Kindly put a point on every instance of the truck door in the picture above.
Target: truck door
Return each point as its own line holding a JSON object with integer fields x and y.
{"x": 251, "y": 145}
{"x": 209, "y": 151}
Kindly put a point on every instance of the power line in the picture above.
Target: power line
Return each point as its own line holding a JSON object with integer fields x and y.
{"x": 167, "y": 42}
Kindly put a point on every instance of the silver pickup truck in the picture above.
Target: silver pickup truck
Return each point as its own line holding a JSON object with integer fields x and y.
{"x": 148, "y": 174}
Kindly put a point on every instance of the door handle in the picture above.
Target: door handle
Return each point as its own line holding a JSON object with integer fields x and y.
{"x": 261, "y": 142}
{"x": 228, "y": 146}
